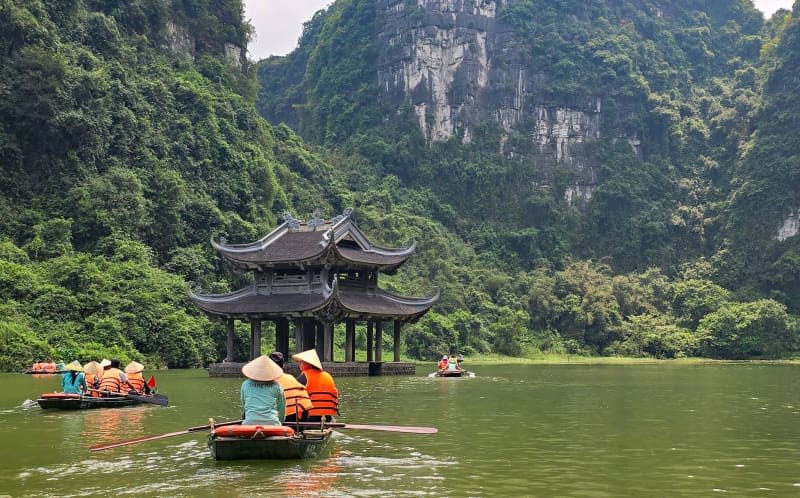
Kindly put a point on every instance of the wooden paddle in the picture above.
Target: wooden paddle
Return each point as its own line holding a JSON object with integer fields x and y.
{"x": 367, "y": 427}
{"x": 117, "y": 444}
{"x": 156, "y": 399}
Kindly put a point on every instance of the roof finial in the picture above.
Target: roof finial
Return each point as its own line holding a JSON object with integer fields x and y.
{"x": 316, "y": 220}
{"x": 292, "y": 222}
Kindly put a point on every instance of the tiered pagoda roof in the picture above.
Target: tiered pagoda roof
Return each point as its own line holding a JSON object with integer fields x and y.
{"x": 338, "y": 243}
{"x": 298, "y": 267}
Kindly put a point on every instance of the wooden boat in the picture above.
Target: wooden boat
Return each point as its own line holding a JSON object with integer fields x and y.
{"x": 449, "y": 373}
{"x": 63, "y": 401}
{"x": 42, "y": 372}
{"x": 240, "y": 442}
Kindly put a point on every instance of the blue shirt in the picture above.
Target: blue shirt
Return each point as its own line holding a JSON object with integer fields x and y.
{"x": 70, "y": 386}
{"x": 263, "y": 403}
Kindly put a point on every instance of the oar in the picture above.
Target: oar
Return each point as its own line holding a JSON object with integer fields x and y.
{"x": 368, "y": 427}
{"x": 156, "y": 399}
{"x": 100, "y": 447}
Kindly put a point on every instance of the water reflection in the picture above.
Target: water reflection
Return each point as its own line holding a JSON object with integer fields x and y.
{"x": 572, "y": 430}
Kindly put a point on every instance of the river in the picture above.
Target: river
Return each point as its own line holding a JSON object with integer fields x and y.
{"x": 512, "y": 430}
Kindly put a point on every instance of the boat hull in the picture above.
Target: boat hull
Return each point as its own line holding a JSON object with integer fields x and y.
{"x": 449, "y": 373}
{"x": 306, "y": 444}
{"x": 77, "y": 402}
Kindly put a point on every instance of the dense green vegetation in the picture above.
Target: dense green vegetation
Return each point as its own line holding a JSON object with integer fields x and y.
{"x": 129, "y": 135}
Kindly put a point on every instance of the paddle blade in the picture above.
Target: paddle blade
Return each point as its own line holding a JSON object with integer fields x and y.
{"x": 156, "y": 399}
{"x": 151, "y": 382}
{"x": 393, "y": 428}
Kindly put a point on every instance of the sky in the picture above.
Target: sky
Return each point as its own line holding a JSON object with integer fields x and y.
{"x": 279, "y": 23}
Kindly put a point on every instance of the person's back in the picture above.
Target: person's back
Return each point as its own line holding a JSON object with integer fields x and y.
{"x": 263, "y": 402}
{"x": 113, "y": 379}
{"x": 73, "y": 382}
{"x": 319, "y": 384}
{"x": 135, "y": 378}
{"x": 298, "y": 402}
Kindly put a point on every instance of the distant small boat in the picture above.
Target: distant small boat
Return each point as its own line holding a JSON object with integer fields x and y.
{"x": 42, "y": 372}
{"x": 63, "y": 401}
{"x": 255, "y": 442}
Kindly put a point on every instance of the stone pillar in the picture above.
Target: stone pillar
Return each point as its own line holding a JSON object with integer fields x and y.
{"x": 309, "y": 334}
{"x": 298, "y": 336}
{"x": 320, "y": 346}
{"x": 350, "y": 340}
{"x": 255, "y": 339}
{"x": 229, "y": 327}
{"x": 282, "y": 337}
{"x": 397, "y": 325}
{"x": 369, "y": 340}
{"x": 379, "y": 340}
{"x": 327, "y": 333}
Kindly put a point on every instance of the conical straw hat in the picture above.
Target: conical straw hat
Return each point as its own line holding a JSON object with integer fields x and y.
{"x": 74, "y": 366}
{"x": 105, "y": 363}
{"x": 93, "y": 368}
{"x": 134, "y": 367}
{"x": 262, "y": 369}
{"x": 310, "y": 357}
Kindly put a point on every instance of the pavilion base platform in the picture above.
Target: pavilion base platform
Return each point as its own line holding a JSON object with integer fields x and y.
{"x": 337, "y": 369}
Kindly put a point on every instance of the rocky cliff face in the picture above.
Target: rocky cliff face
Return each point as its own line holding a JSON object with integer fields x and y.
{"x": 455, "y": 62}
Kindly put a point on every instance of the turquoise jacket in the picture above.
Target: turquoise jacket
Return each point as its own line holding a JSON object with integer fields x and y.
{"x": 263, "y": 403}
{"x": 70, "y": 386}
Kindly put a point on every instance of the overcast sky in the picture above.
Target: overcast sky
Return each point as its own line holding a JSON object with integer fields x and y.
{"x": 279, "y": 23}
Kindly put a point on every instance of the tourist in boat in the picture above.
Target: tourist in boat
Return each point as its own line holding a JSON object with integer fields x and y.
{"x": 113, "y": 379}
{"x": 452, "y": 364}
{"x": 263, "y": 402}
{"x": 136, "y": 383}
{"x": 298, "y": 402}
{"x": 73, "y": 381}
{"x": 443, "y": 363}
{"x": 319, "y": 384}
{"x": 92, "y": 373}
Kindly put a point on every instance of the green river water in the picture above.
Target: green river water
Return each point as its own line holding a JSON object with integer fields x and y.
{"x": 512, "y": 430}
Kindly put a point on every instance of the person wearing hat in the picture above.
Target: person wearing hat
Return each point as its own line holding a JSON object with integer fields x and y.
{"x": 136, "y": 379}
{"x": 298, "y": 402}
{"x": 92, "y": 372}
{"x": 319, "y": 384}
{"x": 113, "y": 379}
{"x": 73, "y": 381}
{"x": 443, "y": 363}
{"x": 263, "y": 402}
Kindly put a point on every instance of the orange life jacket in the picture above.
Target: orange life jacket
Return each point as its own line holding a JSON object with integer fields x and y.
{"x": 50, "y": 367}
{"x": 135, "y": 381}
{"x": 296, "y": 396}
{"x": 92, "y": 383}
{"x": 37, "y": 367}
{"x": 323, "y": 392}
{"x": 442, "y": 364}
{"x": 111, "y": 381}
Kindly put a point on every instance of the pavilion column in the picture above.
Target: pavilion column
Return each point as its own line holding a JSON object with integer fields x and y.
{"x": 255, "y": 339}
{"x": 282, "y": 336}
{"x": 379, "y": 340}
{"x": 350, "y": 340}
{"x": 309, "y": 334}
{"x": 229, "y": 327}
{"x": 320, "y": 346}
{"x": 298, "y": 336}
{"x": 369, "y": 340}
{"x": 327, "y": 328}
{"x": 397, "y": 325}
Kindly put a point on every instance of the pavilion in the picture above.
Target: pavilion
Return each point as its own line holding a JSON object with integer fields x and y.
{"x": 314, "y": 275}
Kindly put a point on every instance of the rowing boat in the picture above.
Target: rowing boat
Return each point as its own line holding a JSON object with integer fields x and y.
{"x": 449, "y": 373}
{"x": 255, "y": 442}
{"x": 63, "y": 401}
